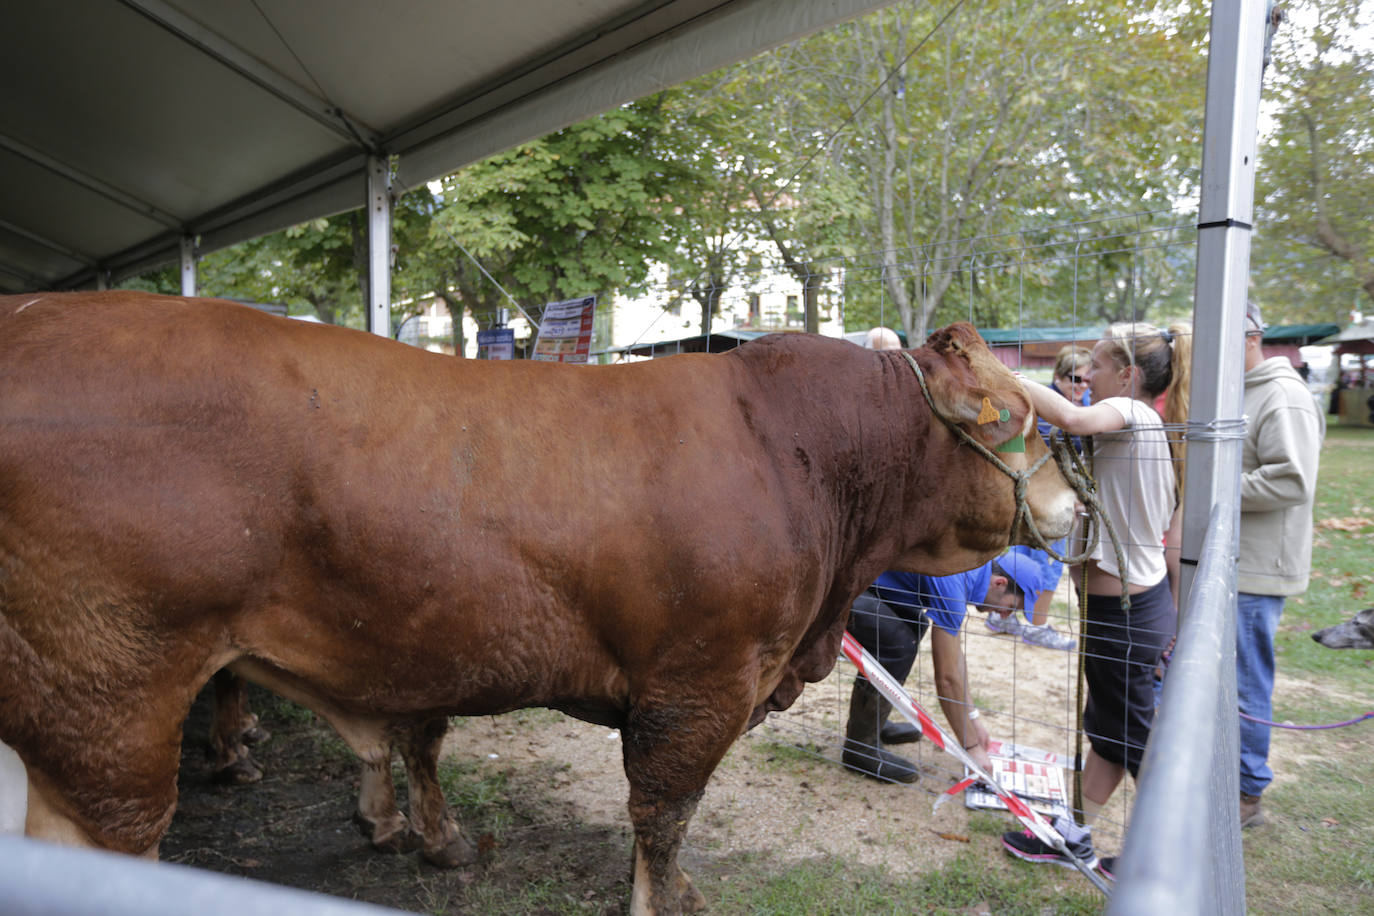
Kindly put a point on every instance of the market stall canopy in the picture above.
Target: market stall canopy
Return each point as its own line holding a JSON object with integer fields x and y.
{"x": 127, "y": 126}
{"x": 1358, "y": 338}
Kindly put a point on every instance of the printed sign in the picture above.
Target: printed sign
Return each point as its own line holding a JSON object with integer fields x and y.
{"x": 565, "y": 334}
{"x": 498, "y": 343}
{"x": 1035, "y": 776}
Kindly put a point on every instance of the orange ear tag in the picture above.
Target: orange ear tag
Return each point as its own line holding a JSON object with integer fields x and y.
{"x": 988, "y": 414}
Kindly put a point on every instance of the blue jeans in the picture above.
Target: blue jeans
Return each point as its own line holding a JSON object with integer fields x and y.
{"x": 1257, "y": 620}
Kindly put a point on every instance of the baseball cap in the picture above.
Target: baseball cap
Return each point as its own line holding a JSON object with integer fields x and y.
{"x": 1254, "y": 321}
{"x": 1029, "y": 569}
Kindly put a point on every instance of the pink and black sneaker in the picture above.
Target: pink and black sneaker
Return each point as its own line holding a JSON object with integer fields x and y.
{"x": 1029, "y": 848}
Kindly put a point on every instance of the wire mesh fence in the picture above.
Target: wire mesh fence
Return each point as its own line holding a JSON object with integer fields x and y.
{"x": 1009, "y": 669}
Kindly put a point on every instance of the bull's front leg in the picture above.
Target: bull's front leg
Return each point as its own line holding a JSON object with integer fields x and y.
{"x": 377, "y": 816}
{"x": 670, "y": 752}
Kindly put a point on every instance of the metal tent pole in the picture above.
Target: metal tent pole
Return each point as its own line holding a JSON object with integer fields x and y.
{"x": 379, "y": 202}
{"x": 188, "y": 265}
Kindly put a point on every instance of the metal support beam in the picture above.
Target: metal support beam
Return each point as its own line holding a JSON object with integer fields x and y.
{"x": 47, "y": 243}
{"x": 89, "y": 182}
{"x": 38, "y": 877}
{"x": 29, "y": 280}
{"x": 1225, "y": 215}
{"x": 216, "y": 46}
{"x": 188, "y": 265}
{"x": 379, "y": 245}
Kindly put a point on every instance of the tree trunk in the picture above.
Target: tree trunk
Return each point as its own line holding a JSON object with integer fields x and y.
{"x": 455, "y": 311}
{"x": 893, "y": 281}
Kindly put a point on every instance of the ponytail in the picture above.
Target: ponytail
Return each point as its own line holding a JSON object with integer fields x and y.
{"x": 1177, "y": 395}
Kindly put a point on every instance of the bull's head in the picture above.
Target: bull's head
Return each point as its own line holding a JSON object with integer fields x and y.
{"x": 971, "y": 389}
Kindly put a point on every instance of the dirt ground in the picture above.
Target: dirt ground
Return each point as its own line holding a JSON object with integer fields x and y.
{"x": 544, "y": 795}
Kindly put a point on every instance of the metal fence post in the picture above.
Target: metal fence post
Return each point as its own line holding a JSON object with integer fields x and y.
{"x": 1183, "y": 851}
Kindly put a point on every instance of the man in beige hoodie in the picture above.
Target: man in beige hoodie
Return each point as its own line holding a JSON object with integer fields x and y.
{"x": 1278, "y": 483}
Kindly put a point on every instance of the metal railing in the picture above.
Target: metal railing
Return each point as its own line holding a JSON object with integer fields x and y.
{"x": 42, "y": 879}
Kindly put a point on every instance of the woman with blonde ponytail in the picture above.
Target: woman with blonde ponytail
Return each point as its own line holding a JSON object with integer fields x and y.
{"x": 1134, "y": 462}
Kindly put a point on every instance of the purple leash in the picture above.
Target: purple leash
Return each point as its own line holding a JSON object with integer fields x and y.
{"x": 1368, "y": 715}
{"x": 1167, "y": 657}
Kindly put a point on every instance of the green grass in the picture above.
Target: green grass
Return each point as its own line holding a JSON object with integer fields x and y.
{"x": 792, "y": 758}
{"x": 479, "y": 795}
{"x": 835, "y": 887}
{"x": 1315, "y": 855}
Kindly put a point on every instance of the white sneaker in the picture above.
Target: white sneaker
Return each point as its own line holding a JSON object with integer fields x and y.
{"x": 1011, "y": 624}
{"x": 1047, "y": 637}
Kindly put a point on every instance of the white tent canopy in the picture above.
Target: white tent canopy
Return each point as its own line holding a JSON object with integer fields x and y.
{"x": 130, "y": 126}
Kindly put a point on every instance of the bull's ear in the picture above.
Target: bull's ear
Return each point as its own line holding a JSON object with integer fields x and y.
{"x": 971, "y": 387}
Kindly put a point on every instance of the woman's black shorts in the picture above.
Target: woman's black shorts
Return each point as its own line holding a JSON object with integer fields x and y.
{"x": 1121, "y": 651}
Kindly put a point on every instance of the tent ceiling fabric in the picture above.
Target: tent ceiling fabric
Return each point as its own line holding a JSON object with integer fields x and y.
{"x": 126, "y": 125}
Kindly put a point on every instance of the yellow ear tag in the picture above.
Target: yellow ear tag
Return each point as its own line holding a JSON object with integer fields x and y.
{"x": 988, "y": 414}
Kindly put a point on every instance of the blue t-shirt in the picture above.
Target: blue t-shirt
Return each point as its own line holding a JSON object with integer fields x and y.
{"x": 945, "y": 598}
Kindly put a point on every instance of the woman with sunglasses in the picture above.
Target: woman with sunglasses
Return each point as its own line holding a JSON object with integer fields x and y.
{"x": 1071, "y": 381}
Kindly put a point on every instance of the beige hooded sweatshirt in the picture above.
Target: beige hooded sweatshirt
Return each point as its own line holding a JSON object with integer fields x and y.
{"x": 1278, "y": 480}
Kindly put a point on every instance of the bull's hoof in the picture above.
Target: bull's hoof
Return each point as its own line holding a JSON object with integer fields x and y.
{"x": 239, "y": 773}
{"x": 393, "y": 836}
{"x": 255, "y": 735}
{"x": 690, "y": 899}
{"x": 456, "y": 853}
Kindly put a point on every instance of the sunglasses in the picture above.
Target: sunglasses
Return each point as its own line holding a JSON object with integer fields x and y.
{"x": 1076, "y": 379}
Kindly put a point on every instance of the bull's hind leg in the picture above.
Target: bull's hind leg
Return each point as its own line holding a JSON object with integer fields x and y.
{"x": 233, "y": 728}
{"x": 670, "y": 752}
{"x": 444, "y": 843}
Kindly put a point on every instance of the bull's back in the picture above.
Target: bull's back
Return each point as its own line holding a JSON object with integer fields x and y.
{"x": 337, "y": 497}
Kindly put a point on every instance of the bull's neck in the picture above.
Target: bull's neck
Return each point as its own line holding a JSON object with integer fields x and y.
{"x": 905, "y": 439}
{"x": 867, "y": 460}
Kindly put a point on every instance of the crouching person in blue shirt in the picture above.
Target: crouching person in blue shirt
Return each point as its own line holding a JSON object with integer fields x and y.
{"x": 889, "y": 620}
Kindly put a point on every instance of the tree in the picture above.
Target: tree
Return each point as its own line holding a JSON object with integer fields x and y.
{"x": 704, "y": 134}
{"x": 802, "y": 199}
{"x": 579, "y": 212}
{"x": 1007, "y": 114}
{"x": 1314, "y": 250}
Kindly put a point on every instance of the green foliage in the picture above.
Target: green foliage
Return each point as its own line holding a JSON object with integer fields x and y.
{"x": 1314, "y": 249}
{"x": 579, "y": 212}
{"x": 1007, "y": 115}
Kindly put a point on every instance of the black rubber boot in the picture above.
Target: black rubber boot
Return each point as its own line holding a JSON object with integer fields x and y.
{"x": 862, "y": 750}
{"x": 899, "y": 732}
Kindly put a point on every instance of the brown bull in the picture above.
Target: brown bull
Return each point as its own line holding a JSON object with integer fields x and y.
{"x": 391, "y": 537}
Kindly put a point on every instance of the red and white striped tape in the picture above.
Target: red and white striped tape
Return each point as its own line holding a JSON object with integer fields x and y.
{"x": 901, "y": 701}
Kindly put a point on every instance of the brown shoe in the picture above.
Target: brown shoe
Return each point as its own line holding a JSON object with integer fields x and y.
{"x": 1250, "y": 811}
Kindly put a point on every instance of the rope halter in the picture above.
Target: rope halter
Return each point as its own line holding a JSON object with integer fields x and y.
{"x": 1070, "y": 466}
